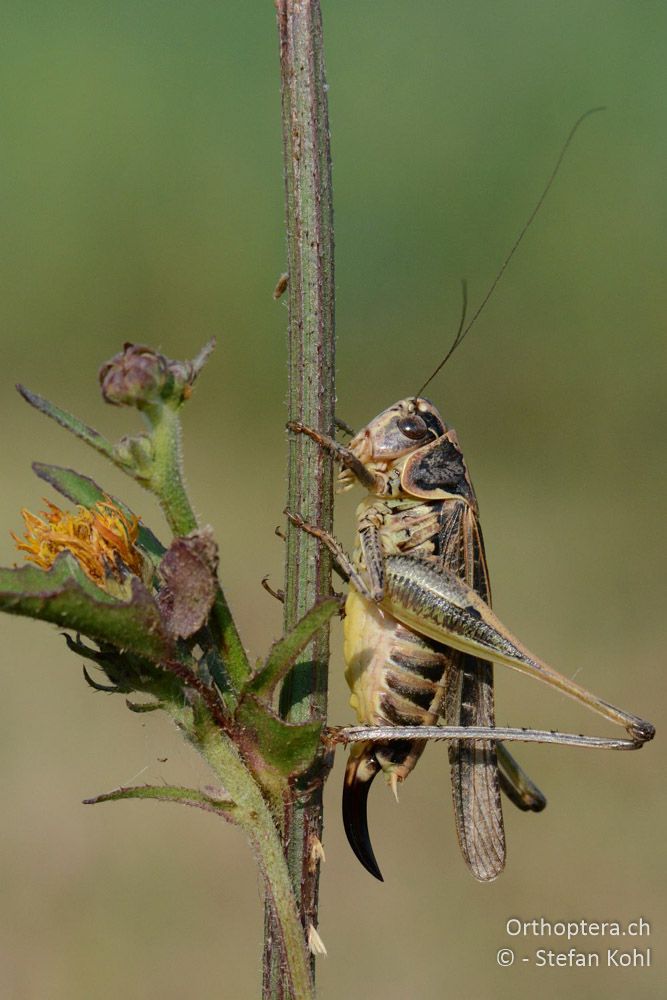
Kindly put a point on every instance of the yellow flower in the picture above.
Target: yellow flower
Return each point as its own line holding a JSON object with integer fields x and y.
{"x": 102, "y": 539}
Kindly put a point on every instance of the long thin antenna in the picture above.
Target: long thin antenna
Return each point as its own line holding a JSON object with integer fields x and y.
{"x": 464, "y": 310}
{"x": 462, "y": 334}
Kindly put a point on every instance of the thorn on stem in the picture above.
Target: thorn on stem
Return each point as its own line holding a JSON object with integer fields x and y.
{"x": 344, "y": 427}
{"x": 315, "y": 942}
{"x": 278, "y": 594}
{"x": 109, "y": 688}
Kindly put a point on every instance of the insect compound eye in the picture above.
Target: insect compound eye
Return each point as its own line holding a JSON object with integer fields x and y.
{"x": 413, "y": 427}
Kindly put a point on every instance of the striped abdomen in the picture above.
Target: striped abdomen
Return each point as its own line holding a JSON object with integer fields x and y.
{"x": 397, "y": 678}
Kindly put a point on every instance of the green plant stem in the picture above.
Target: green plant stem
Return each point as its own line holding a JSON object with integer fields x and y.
{"x": 252, "y": 814}
{"x": 168, "y": 484}
{"x": 167, "y": 475}
{"x": 311, "y": 395}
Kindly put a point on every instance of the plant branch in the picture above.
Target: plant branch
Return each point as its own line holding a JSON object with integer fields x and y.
{"x": 309, "y": 218}
{"x": 219, "y": 804}
{"x": 167, "y": 483}
{"x": 252, "y": 814}
{"x": 167, "y": 476}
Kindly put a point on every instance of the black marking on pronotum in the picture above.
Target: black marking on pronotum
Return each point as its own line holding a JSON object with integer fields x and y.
{"x": 440, "y": 467}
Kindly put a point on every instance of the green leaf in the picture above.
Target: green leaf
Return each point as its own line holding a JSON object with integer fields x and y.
{"x": 65, "y": 596}
{"x": 287, "y": 748}
{"x": 212, "y": 800}
{"x": 142, "y": 707}
{"x": 95, "y": 685}
{"x": 69, "y": 422}
{"x": 127, "y": 672}
{"x": 85, "y": 491}
{"x": 284, "y": 652}
{"x": 229, "y": 645}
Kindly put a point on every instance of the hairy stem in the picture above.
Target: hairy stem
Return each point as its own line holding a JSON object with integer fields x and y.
{"x": 311, "y": 394}
{"x": 253, "y": 815}
{"x": 168, "y": 485}
{"x": 167, "y": 479}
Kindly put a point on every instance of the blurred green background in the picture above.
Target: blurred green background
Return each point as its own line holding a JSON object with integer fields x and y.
{"x": 141, "y": 196}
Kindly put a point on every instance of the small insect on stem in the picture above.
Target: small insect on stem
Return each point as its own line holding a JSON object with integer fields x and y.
{"x": 281, "y": 286}
{"x": 420, "y": 636}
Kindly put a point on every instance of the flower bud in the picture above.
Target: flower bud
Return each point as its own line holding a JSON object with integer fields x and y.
{"x": 139, "y": 376}
{"x": 136, "y": 453}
